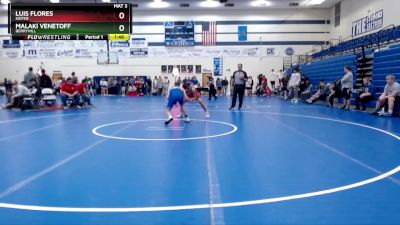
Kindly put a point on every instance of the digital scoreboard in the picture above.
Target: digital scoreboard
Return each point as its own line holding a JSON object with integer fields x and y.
{"x": 70, "y": 21}
{"x": 179, "y": 33}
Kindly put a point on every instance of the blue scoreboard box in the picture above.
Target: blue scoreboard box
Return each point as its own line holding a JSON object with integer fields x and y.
{"x": 179, "y": 33}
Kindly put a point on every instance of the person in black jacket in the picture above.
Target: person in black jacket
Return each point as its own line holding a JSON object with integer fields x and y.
{"x": 212, "y": 90}
{"x": 45, "y": 80}
{"x": 239, "y": 80}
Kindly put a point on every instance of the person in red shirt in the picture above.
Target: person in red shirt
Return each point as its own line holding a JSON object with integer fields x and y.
{"x": 69, "y": 91}
{"x": 83, "y": 92}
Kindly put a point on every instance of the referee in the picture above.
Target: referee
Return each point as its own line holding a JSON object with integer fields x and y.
{"x": 239, "y": 81}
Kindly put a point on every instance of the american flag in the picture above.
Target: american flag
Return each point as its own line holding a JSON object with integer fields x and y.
{"x": 209, "y": 33}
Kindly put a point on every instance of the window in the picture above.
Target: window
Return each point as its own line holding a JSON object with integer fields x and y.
{"x": 337, "y": 14}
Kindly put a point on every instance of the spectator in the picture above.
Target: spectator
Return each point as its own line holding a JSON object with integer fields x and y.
{"x": 35, "y": 89}
{"x": 294, "y": 84}
{"x": 149, "y": 83}
{"x": 45, "y": 81}
{"x": 334, "y": 92}
{"x": 69, "y": 90}
{"x": 284, "y": 81}
{"x": 231, "y": 81}
{"x": 165, "y": 86}
{"x": 57, "y": 85}
{"x": 123, "y": 86}
{"x": 320, "y": 94}
{"x": 249, "y": 86}
{"x": 306, "y": 93}
{"x": 16, "y": 100}
{"x": 389, "y": 97}
{"x": 160, "y": 85}
{"x": 347, "y": 87}
{"x": 74, "y": 78}
{"x": 211, "y": 90}
{"x": 29, "y": 76}
{"x": 155, "y": 85}
{"x": 225, "y": 84}
{"x": 219, "y": 85}
{"x": 104, "y": 87}
{"x": 274, "y": 78}
{"x": 366, "y": 95}
{"x": 84, "y": 93}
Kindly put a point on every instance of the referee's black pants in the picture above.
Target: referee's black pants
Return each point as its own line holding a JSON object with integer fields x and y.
{"x": 238, "y": 90}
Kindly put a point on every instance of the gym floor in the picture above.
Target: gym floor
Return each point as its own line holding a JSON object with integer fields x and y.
{"x": 273, "y": 163}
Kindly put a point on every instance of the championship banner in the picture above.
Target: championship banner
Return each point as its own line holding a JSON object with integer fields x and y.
{"x": 11, "y": 44}
{"x": 139, "y": 52}
{"x": 242, "y": 33}
{"x": 218, "y": 66}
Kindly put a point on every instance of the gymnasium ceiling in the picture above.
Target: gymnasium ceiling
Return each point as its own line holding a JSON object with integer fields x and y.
{"x": 195, "y": 4}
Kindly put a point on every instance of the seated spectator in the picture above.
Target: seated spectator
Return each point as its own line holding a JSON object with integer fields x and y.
{"x": 366, "y": 95}
{"x": 390, "y": 97}
{"x": 69, "y": 91}
{"x": 320, "y": 94}
{"x": 334, "y": 92}
{"x": 16, "y": 100}
{"x": 132, "y": 90}
{"x": 84, "y": 93}
{"x": 306, "y": 93}
{"x": 35, "y": 89}
{"x": 347, "y": 87}
{"x": 45, "y": 80}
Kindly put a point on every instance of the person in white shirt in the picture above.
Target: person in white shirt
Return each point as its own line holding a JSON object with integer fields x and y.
{"x": 20, "y": 91}
{"x": 104, "y": 87}
{"x": 294, "y": 84}
{"x": 273, "y": 79}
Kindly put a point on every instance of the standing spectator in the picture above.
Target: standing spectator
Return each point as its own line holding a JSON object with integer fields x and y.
{"x": 274, "y": 78}
{"x": 294, "y": 84}
{"x": 83, "y": 92}
{"x": 45, "y": 81}
{"x": 29, "y": 76}
{"x": 123, "y": 86}
{"x": 104, "y": 87}
{"x": 74, "y": 78}
{"x": 249, "y": 86}
{"x": 334, "y": 92}
{"x": 155, "y": 85}
{"x": 211, "y": 90}
{"x": 239, "y": 81}
{"x": 225, "y": 84}
{"x": 366, "y": 95}
{"x": 218, "y": 83}
{"x": 284, "y": 86}
{"x": 165, "y": 86}
{"x": 390, "y": 97}
{"x": 149, "y": 87}
{"x": 57, "y": 85}
{"x": 69, "y": 90}
{"x": 231, "y": 84}
{"x": 160, "y": 85}
{"x": 347, "y": 87}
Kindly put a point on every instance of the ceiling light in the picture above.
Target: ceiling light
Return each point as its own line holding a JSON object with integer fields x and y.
{"x": 55, "y": 1}
{"x": 260, "y": 3}
{"x": 5, "y": 2}
{"x": 314, "y": 2}
{"x": 106, "y": 1}
{"x": 158, "y": 4}
{"x": 209, "y": 4}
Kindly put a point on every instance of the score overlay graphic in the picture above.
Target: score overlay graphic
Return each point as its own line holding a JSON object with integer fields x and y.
{"x": 70, "y": 21}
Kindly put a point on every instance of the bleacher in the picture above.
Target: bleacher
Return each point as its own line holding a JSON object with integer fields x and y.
{"x": 328, "y": 69}
{"x": 386, "y": 62}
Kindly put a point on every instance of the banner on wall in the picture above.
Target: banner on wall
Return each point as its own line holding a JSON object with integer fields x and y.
{"x": 139, "y": 43}
{"x": 242, "y": 33}
{"x": 271, "y": 51}
{"x": 11, "y": 44}
{"x": 29, "y": 44}
{"x": 119, "y": 44}
{"x": 12, "y": 54}
{"x": 139, "y": 52}
{"x": 30, "y": 53}
{"x": 47, "y": 53}
{"x": 83, "y": 53}
{"x": 218, "y": 66}
{"x": 65, "y": 53}
{"x": 65, "y": 44}
{"x": 369, "y": 23}
{"x": 46, "y": 44}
